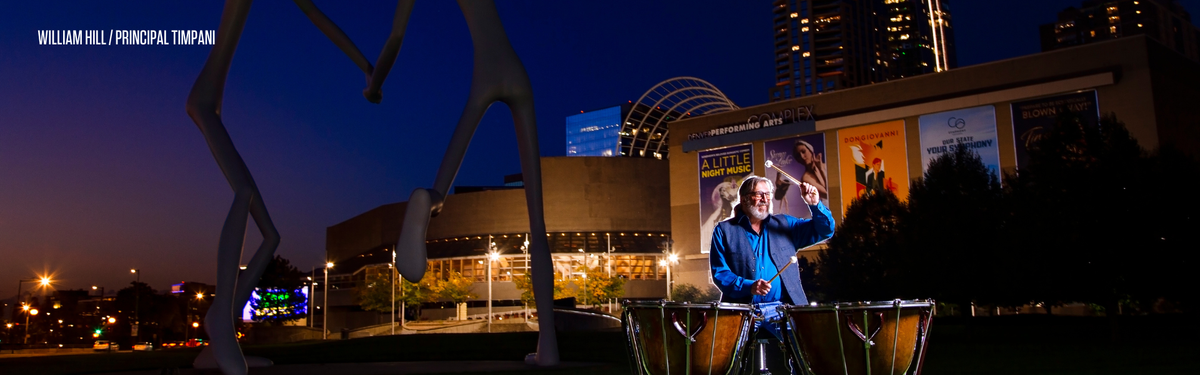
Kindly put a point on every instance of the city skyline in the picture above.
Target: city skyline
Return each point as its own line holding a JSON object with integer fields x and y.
{"x": 101, "y": 170}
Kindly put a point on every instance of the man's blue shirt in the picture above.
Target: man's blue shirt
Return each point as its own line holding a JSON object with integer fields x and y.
{"x": 801, "y": 232}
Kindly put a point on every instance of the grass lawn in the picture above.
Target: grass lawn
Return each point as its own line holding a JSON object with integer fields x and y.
{"x": 1027, "y": 344}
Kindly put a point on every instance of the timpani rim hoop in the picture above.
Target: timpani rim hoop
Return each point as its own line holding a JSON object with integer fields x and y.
{"x": 698, "y": 305}
{"x": 814, "y": 306}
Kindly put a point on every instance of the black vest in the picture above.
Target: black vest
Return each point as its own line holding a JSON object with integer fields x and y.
{"x": 740, "y": 257}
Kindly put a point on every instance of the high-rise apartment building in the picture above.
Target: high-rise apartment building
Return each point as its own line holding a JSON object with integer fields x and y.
{"x": 919, "y": 37}
{"x": 824, "y": 45}
{"x": 1098, "y": 20}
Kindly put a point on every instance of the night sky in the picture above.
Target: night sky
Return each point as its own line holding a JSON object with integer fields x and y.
{"x": 101, "y": 170}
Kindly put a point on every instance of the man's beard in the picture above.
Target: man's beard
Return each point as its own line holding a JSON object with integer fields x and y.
{"x": 755, "y": 211}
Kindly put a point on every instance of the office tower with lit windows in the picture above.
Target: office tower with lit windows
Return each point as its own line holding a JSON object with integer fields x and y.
{"x": 919, "y": 36}
{"x": 825, "y": 45}
{"x": 596, "y": 133}
{"x": 1099, "y": 20}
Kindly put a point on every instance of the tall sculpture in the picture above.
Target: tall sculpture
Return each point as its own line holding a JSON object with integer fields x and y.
{"x": 498, "y": 76}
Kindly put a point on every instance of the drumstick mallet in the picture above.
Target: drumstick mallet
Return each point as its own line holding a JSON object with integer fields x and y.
{"x": 781, "y": 270}
{"x": 771, "y": 165}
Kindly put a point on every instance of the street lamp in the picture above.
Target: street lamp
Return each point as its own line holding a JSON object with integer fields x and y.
{"x": 492, "y": 256}
{"x": 671, "y": 259}
{"x": 325, "y": 314}
{"x": 395, "y": 279}
{"x": 137, "y": 299}
{"x": 43, "y": 280}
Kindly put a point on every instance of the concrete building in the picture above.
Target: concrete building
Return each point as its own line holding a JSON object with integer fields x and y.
{"x": 600, "y": 212}
{"x": 1098, "y": 20}
{"x": 827, "y": 45}
{"x": 895, "y": 126}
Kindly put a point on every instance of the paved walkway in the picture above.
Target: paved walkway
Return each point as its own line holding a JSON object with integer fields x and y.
{"x": 378, "y": 368}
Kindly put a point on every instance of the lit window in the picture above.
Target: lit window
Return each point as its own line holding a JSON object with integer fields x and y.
{"x": 794, "y": 14}
{"x": 1112, "y": 29}
{"x": 1138, "y": 12}
{"x": 803, "y": 21}
{"x": 805, "y": 54}
{"x": 795, "y": 48}
{"x": 804, "y": 29}
{"x": 1093, "y": 33}
{"x": 1139, "y": 25}
{"x": 904, "y": 37}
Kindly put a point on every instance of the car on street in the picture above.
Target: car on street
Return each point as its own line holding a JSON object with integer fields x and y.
{"x": 104, "y": 345}
{"x": 143, "y": 347}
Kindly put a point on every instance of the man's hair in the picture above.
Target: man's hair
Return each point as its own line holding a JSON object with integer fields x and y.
{"x": 751, "y": 181}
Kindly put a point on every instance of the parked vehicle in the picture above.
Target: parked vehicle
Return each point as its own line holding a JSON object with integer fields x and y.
{"x": 143, "y": 347}
{"x": 102, "y": 345}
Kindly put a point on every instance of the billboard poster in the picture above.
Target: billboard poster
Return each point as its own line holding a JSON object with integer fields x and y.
{"x": 803, "y": 158}
{"x": 973, "y": 128}
{"x": 721, "y": 171}
{"x": 1033, "y": 118}
{"x": 871, "y": 160}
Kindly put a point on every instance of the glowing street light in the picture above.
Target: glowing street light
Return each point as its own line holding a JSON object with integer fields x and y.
{"x": 671, "y": 259}
{"x": 325, "y": 314}
{"x": 28, "y": 311}
{"x": 137, "y": 299}
{"x": 492, "y": 256}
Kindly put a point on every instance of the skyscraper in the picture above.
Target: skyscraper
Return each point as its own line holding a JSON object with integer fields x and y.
{"x": 1098, "y": 20}
{"x": 919, "y": 38}
{"x": 824, "y": 45}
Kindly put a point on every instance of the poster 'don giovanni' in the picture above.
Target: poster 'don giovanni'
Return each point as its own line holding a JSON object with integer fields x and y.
{"x": 973, "y": 128}
{"x": 1033, "y": 118}
{"x": 803, "y": 158}
{"x": 872, "y": 159}
{"x": 721, "y": 171}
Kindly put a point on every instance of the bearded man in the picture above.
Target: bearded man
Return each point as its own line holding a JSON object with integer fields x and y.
{"x": 750, "y": 248}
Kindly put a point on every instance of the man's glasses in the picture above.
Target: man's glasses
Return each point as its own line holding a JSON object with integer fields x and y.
{"x": 760, "y": 195}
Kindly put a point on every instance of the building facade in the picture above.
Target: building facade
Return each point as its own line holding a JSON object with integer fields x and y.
{"x": 919, "y": 38}
{"x": 827, "y": 45}
{"x": 1098, "y": 20}
{"x": 610, "y": 213}
{"x": 895, "y": 127}
{"x": 596, "y": 133}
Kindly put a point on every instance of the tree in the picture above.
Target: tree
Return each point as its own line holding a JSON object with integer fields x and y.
{"x": 685, "y": 292}
{"x": 279, "y": 296}
{"x": 456, "y": 288}
{"x": 415, "y": 294}
{"x": 954, "y": 225}
{"x": 1162, "y": 268}
{"x": 380, "y": 291}
{"x": 597, "y": 287}
{"x": 1077, "y": 212}
{"x": 525, "y": 285}
{"x": 863, "y": 261}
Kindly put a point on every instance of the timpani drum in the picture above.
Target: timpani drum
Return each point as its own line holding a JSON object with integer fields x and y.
{"x": 869, "y": 338}
{"x": 687, "y": 338}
